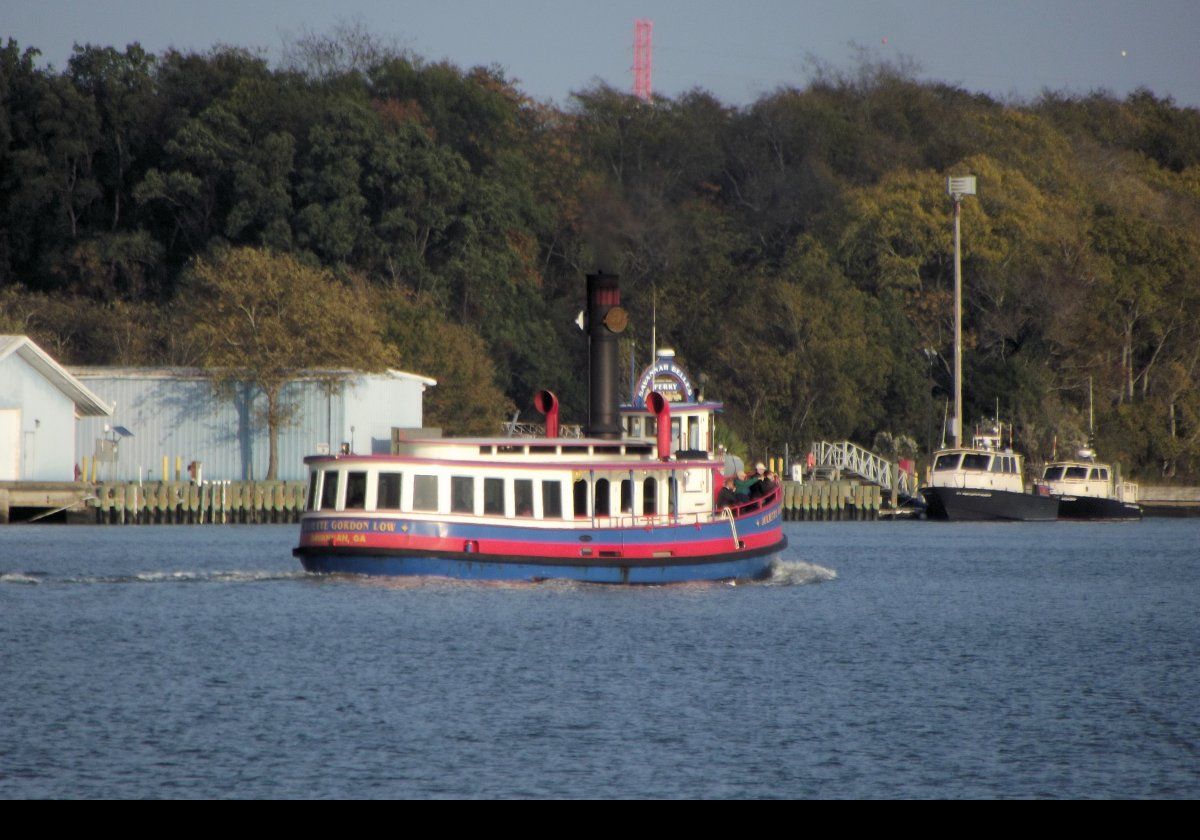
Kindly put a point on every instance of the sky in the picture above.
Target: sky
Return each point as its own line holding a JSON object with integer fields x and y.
{"x": 736, "y": 49}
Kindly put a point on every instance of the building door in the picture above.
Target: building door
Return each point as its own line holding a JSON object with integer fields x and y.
{"x": 10, "y": 444}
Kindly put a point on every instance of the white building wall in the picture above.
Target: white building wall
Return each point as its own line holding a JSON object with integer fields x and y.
{"x": 44, "y": 448}
{"x": 176, "y": 414}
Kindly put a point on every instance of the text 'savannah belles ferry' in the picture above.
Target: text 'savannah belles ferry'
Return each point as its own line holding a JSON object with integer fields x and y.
{"x": 600, "y": 508}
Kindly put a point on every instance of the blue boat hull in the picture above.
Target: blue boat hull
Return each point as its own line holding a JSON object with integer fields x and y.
{"x": 746, "y": 565}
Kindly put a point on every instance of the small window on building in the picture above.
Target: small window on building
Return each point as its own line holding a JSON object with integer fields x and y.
{"x": 462, "y": 494}
{"x": 551, "y": 500}
{"x": 580, "y": 492}
{"x": 603, "y": 497}
{"x": 649, "y": 497}
{"x": 314, "y": 482}
{"x": 425, "y": 493}
{"x": 523, "y": 496}
{"x": 356, "y": 491}
{"x": 387, "y": 491}
{"x": 493, "y": 496}
{"x": 329, "y": 490}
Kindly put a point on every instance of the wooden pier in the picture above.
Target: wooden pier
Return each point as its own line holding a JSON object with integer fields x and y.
{"x": 829, "y": 501}
{"x": 157, "y": 503}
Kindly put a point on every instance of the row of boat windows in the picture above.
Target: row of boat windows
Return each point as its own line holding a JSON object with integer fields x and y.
{"x": 486, "y": 496}
{"x": 976, "y": 462}
{"x": 1058, "y": 472}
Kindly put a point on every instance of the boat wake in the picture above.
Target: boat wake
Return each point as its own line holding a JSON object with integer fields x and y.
{"x": 242, "y": 576}
{"x": 798, "y": 573}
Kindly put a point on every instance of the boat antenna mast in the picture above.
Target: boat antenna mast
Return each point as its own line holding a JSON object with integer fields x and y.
{"x": 956, "y": 188}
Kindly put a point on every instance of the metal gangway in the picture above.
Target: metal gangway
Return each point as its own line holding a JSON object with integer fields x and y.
{"x": 847, "y": 457}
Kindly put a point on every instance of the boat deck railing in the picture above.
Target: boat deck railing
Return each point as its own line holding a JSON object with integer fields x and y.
{"x": 665, "y": 520}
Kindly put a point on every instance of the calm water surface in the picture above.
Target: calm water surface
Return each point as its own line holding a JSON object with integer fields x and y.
{"x": 883, "y": 660}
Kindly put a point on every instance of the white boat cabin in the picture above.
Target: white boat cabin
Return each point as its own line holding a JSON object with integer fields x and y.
{"x": 984, "y": 465}
{"x": 532, "y": 480}
{"x": 1087, "y": 478}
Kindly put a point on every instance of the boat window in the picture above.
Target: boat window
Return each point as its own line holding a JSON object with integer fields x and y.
{"x": 425, "y": 492}
{"x": 1078, "y": 473}
{"x": 387, "y": 491}
{"x": 510, "y": 450}
{"x": 523, "y": 496}
{"x": 574, "y": 450}
{"x": 673, "y": 495}
{"x": 1000, "y": 464}
{"x": 356, "y": 491}
{"x": 976, "y": 461}
{"x": 649, "y": 497}
{"x": 606, "y": 450}
{"x": 693, "y": 440}
{"x": 462, "y": 494}
{"x": 1054, "y": 473}
{"x": 329, "y": 490}
{"x": 551, "y": 500}
{"x": 1103, "y": 473}
{"x": 487, "y": 450}
{"x": 651, "y": 427}
{"x": 493, "y": 497}
{"x": 313, "y": 481}
{"x": 676, "y": 434}
{"x": 580, "y": 492}
{"x": 603, "y": 497}
{"x": 948, "y": 461}
{"x": 626, "y": 496}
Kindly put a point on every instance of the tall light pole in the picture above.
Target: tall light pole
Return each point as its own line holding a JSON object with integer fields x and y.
{"x": 957, "y": 187}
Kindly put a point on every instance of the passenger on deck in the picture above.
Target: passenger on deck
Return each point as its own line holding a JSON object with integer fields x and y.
{"x": 728, "y": 495}
{"x": 745, "y": 487}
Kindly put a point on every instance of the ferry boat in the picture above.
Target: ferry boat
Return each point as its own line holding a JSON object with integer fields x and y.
{"x": 601, "y": 508}
{"x": 984, "y": 482}
{"x": 1088, "y": 489}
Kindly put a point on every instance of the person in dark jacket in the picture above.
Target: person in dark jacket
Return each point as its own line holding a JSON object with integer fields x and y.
{"x": 728, "y": 495}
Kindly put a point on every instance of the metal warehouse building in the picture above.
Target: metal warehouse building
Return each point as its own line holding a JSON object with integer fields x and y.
{"x": 174, "y": 413}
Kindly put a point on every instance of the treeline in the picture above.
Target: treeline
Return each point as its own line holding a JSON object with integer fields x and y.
{"x": 796, "y": 252}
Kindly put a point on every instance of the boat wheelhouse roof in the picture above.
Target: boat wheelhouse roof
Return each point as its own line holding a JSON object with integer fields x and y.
{"x": 510, "y": 452}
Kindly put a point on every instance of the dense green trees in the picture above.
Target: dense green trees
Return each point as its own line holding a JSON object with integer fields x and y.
{"x": 796, "y": 252}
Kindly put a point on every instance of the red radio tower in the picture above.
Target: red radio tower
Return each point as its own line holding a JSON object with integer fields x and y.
{"x": 642, "y": 30}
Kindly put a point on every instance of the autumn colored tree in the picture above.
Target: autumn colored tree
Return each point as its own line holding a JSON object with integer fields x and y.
{"x": 265, "y": 318}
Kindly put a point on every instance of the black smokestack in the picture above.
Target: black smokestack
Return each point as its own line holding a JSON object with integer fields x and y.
{"x": 606, "y": 320}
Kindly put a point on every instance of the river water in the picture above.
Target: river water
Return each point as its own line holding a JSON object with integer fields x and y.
{"x": 882, "y": 660}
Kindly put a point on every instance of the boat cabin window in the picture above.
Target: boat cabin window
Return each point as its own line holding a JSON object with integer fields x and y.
{"x": 673, "y": 496}
{"x": 523, "y": 496}
{"x": 603, "y": 497}
{"x": 510, "y": 450}
{"x": 948, "y": 461}
{"x": 574, "y": 450}
{"x": 1100, "y": 473}
{"x": 976, "y": 461}
{"x": 329, "y": 490}
{"x": 387, "y": 491}
{"x": 626, "y": 496}
{"x": 356, "y": 491}
{"x": 1053, "y": 473}
{"x": 649, "y": 497}
{"x": 313, "y": 481}
{"x": 462, "y": 494}
{"x": 551, "y": 500}
{"x": 493, "y": 497}
{"x": 580, "y": 493}
{"x": 425, "y": 493}
{"x": 487, "y": 450}
{"x": 1077, "y": 473}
